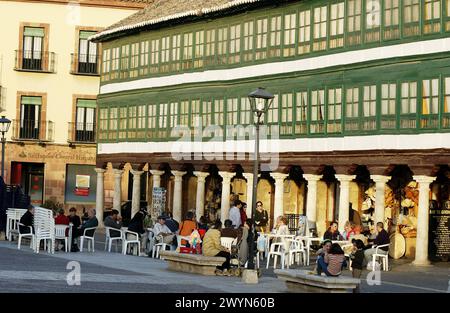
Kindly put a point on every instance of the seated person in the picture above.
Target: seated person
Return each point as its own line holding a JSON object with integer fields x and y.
{"x": 162, "y": 232}
{"x": 348, "y": 230}
{"x": 171, "y": 223}
{"x": 27, "y": 220}
{"x": 137, "y": 225}
{"x": 358, "y": 235}
{"x": 61, "y": 219}
{"x": 114, "y": 221}
{"x": 74, "y": 219}
{"x": 332, "y": 232}
{"x": 382, "y": 238}
{"x": 187, "y": 226}
{"x": 213, "y": 247}
{"x": 202, "y": 226}
{"x": 231, "y": 232}
{"x": 333, "y": 262}
{"x": 91, "y": 222}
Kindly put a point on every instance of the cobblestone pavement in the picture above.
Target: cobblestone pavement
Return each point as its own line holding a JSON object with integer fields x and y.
{"x": 25, "y": 271}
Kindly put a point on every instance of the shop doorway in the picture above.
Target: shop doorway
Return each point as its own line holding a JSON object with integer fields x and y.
{"x": 30, "y": 176}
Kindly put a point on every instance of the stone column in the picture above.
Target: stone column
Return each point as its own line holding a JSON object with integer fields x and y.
{"x": 200, "y": 199}
{"x": 225, "y": 198}
{"x": 344, "y": 199}
{"x": 422, "y": 219}
{"x": 117, "y": 199}
{"x": 100, "y": 196}
{"x": 156, "y": 177}
{"x": 249, "y": 178}
{"x": 380, "y": 186}
{"x": 136, "y": 197}
{"x": 177, "y": 194}
{"x": 331, "y": 201}
{"x": 311, "y": 196}
{"x": 279, "y": 192}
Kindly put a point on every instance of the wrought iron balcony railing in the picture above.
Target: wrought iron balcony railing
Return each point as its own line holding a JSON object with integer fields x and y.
{"x": 85, "y": 64}
{"x": 35, "y": 61}
{"x": 33, "y": 130}
{"x": 82, "y": 132}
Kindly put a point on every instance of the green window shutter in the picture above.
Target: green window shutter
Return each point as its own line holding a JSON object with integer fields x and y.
{"x": 34, "y": 32}
{"x": 31, "y": 100}
{"x": 85, "y": 103}
{"x": 86, "y": 34}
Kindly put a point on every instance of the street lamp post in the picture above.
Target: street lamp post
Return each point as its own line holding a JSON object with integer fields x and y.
{"x": 4, "y": 127}
{"x": 260, "y": 101}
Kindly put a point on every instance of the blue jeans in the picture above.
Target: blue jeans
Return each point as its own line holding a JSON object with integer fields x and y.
{"x": 322, "y": 267}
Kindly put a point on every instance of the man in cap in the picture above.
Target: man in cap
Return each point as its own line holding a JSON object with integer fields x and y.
{"x": 162, "y": 232}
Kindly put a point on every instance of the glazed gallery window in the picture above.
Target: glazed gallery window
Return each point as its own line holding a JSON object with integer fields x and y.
{"x": 154, "y": 56}
{"x": 301, "y": 113}
{"x": 132, "y": 113}
{"x": 115, "y": 58}
{"x": 369, "y": 107}
{"x": 373, "y": 21}
{"x": 207, "y": 115}
{"x": 275, "y": 36}
{"x": 162, "y": 119}
{"x": 337, "y": 25}
{"x": 304, "y": 32}
{"x": 222, "y": 45}
{"x": 432, "y": 15}
{"x": 141, "y": 117}
{"x": 287, "y": 106}
{"x": 144, "y": 58}
{"x": 320, "y": 28}
{"x": 113, "y": 115}
{"x": 408, "y": 107}
{"x": 391, "y": 17}
{"x": 30, "y": 117}
{"x": 219, "y": 116}
{"x": 411, "y": 15}
{"x": 134, "y": 60}
{"x": 248, "y": 41}
{"x": 173, "y": 115}
{"x": 430, "y": 104}
{"x": 334, "y": 117}
{"x": 33, "y": 44}
{"x": 176, "y": 52}
{"x": 184, "y": 113}
{"x": 246, "y": 112}
{"x": 165, "y": 54}
{"x": 446, "y": 106}
{"x": 210, "y": 48}
{"x": 354, "y": 10}
{"x": 199, "y": 48}
{"x": 388, "y": 108}
{"x": 123, "y": 122}
{"x": 124, "y": 61}
{"x": 352, "y": 109}
{"x": 85, "y": 120}
{"x": 235, "y": 44}
{"x": 106, "y": 65}
{"x": 317, "y": 111}
{"x": 103, "y": 123}
{"x": 261, "y": 39}
{"x": 290, "y": 26}
{"x": 232, "y": 112}
{"x": 272, "y": 115}
{"x": 152, "y": 130}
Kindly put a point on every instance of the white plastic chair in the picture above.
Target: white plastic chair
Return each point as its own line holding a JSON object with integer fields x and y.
{"x": 109, "y": 239}
{"x": 296, "y": 250}
{"x": 179, "y": 238}
{"x": 227, "y": 242}
{"x": 60, "y": 234}
{"x": 383, "y": 257}
{"x": 90, "y": 239}
{"x": 277, "y": 249}
{"x": 131, "y": 241}
{"x": 347, "y": 255}
{"x": 25, "y": 235}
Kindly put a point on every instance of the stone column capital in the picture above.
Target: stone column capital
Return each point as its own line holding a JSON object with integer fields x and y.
{"x": 136, "y": 173}
{"x": 178, "y": 175}
{"x": 345, "y": 178}
{"x": 380, "y": 178}
{"x": 100, "y": 171}
{"x": 156, "y": 172}
{"x": 227, "y": 176}
{"x": 201, "y": 176}
{"x": 248, "y": 176}
{"x": 312, "y": 177}
{"x": 117, "y": 173}
{"x": 279, "y": 176}
{"x": 424, "y": 180}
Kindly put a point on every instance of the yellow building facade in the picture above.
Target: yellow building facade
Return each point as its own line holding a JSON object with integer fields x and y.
{"x": 49, "y": 83}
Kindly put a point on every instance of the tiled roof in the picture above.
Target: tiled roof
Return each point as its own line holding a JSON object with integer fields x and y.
{"x": 165, "y": 10}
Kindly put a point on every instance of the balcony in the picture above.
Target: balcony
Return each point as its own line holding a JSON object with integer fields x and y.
{"x": 2, "y": 99}
{"x": 81, "y": 133}
{"x": 85, "y": 64}
{"x": 33, "y": 130}
{"x": 35, "y": 61}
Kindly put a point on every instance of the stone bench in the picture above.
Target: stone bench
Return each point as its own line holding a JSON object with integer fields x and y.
{"x": 304, "y": 281}
{"x": 191, "y": 263}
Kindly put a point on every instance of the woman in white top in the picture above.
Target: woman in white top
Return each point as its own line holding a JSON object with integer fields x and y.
{"x": 281, "y": 228}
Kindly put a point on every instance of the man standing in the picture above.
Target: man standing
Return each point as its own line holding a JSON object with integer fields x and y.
{"x": 235, "y": 214}
{"x": 114, "y": 221}
{"x": 381, "y": 239}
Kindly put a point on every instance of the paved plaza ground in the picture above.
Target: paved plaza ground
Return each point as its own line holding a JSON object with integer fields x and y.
{"x": 25, "y": 271}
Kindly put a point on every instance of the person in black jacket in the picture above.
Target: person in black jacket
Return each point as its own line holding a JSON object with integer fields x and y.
{"x": 357, "y": 257}
{"x": 137, "y": 225}
{"x": 381, "y": 239}
{"x": 332, "y": 232}
{"x": 27, "y": 220}
{"x": 261, "y": 217}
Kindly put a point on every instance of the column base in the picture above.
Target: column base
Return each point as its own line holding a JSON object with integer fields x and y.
{"x": 250, "y": 276}
{"x": 421, "y": 263}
